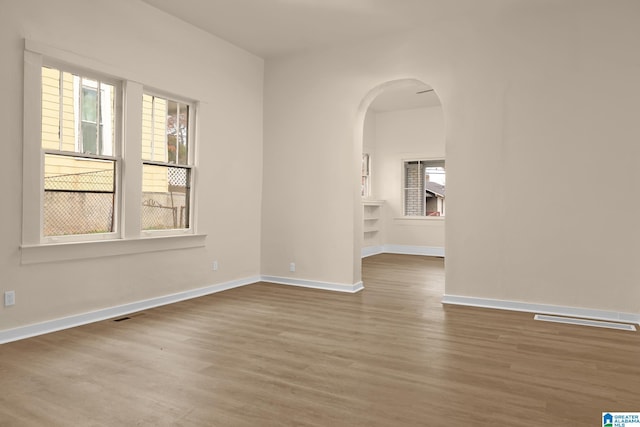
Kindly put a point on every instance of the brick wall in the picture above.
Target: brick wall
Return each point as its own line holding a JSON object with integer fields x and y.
{"x": 414, "y": 188}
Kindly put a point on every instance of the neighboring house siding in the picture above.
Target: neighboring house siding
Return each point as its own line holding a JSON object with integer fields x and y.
{"x": 51, "y": 129}
{"x": 432, "y": 204}
{"x": 50, "y": 109}
{"x": 154, "y": 143}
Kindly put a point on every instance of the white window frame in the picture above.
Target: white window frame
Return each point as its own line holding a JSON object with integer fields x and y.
{"x": 127, "y": 150}
{"x": 365, "y": 192}
{"x": 191, "y": 127}
{"x": 115, "y": 157}
{"x": 404, "y": 188}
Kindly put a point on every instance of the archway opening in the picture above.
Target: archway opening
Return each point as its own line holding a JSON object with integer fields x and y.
{"x": 403, "y": 171}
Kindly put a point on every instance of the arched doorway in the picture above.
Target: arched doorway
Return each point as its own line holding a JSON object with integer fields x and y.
{"x": 403, "y": 171}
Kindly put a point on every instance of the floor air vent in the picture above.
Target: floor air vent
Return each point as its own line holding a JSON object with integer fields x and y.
{"x": 131, "y": 316}
{"x": 585, "y": 322}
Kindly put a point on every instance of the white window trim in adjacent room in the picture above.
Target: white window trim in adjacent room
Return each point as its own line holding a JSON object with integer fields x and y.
{"x": 365, "y": 191}
{"x": 403, "y": 192}
{"x": 128, "y": 238}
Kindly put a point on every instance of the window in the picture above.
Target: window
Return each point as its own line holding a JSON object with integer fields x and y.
{"x": 166, "y": 165}
{"x": 80, "y": 169}
{"x": 424, "y": 187}
{"x": 365, "y": 188}
{"x": 101, "y": 157}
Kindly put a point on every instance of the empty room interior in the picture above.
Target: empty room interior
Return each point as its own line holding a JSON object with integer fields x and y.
{"x": 319, "y": 212}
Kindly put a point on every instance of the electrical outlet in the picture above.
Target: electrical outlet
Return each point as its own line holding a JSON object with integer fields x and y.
{"x": 292, "y": 266}
{"x": 9, "y": 298}
{"x": 215, "y": 266}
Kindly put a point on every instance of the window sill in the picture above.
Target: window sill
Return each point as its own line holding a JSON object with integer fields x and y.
{"x": 371, "y": 202}
{"x": 35, "y": 254}
{"x": 419, "y": 218}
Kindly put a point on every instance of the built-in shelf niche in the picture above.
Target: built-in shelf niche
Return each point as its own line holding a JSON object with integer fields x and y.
{"x": 372, "y": 218}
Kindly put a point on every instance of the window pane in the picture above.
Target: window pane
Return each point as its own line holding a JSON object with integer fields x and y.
{"x": 79, "y": 195}
{"x": 70, "y": 112}
{"x": 434, "y": 185}
{"x": 365, "y": 165}
{"x": 89, "y": 134}
{"x": 89, "y": 104}
{"x": 424, "y": 188}
{"x": 107, "y": 119}
{"x": 177, "y": 128}
{"x": 78, "y": 114}
{"x": 50, "y": 108}
{"x": 160, "y": 129}
{"x": 165, "y": 126}
{"x": 413, "y": 174}
{"x": 165, "y": 197}
{"x": 435, "y": 174}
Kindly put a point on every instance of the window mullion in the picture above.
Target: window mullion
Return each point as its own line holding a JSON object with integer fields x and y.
{"x": 98, "y": 118}
{"x": 80, "y": 135}
{"x": 61, "y": 110}
{"x": 166, "y": 137}
{"x": 176, "y": 126}
{"x": 153, "y": 127}
{"x": 132, "y": 172}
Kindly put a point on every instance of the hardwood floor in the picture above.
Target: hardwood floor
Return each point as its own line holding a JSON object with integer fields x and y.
{"x": 272, "y": 355}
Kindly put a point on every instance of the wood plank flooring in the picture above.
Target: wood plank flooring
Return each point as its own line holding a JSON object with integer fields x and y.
{"x": 272, "y": 355}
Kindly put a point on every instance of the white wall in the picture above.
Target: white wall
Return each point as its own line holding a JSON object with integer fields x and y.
{"x": 536, "y": 97}
{"x": 152, "y": 48}
{"x": 406, "y": 135}
{"x": 369, "y": 135}
{"x": 540, "y": 94}
{"x": 371, "y": 239}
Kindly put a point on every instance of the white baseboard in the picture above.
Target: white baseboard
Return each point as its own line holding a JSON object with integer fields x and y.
{"x": 414, "y": 250}
{"x": 328, "y": 286}
{"x": 372, "y": 250}
{"x": 121, "y": 310}
{"x": 403, "y": 250}
{"x": 54, "y": 325}
{"x": 542, "y": 308}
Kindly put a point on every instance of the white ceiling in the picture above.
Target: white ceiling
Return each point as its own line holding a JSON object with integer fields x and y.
{"x": 272, "y": 28}
{"x": 405, "y": 98}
